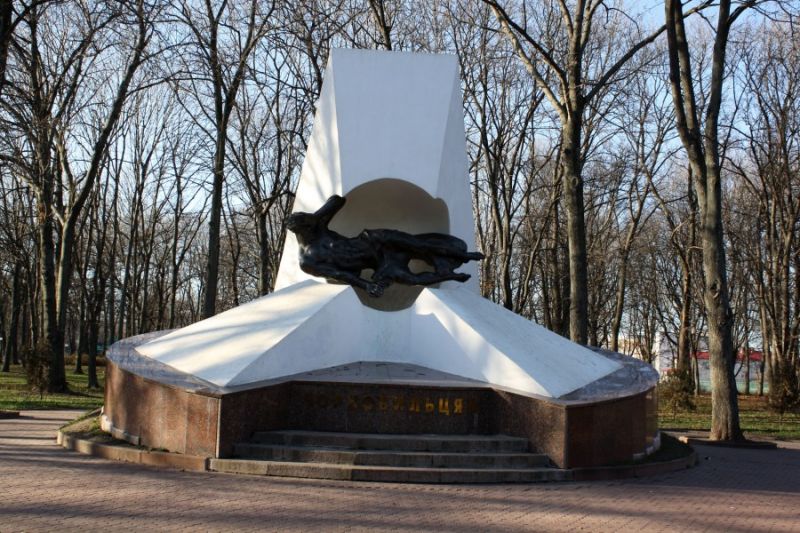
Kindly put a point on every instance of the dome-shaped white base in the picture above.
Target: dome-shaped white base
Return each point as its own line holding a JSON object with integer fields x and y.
{"x": 312, "y": 325}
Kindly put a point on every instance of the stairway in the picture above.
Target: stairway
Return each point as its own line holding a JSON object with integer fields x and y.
{"x": 390, "y": 458}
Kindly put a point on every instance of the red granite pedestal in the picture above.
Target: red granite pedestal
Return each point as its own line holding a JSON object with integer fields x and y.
{"x": 611, "y": 421}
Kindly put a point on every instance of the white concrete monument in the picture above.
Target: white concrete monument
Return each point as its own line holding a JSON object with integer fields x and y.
{"x": 388, "y": 136}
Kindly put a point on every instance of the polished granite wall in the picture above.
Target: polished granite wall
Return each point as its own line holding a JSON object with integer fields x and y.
{"x": 197, "y": 421}
{"x": 162, "y": 416}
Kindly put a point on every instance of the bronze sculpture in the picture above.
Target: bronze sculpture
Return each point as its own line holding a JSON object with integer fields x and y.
{"x": 325, "y": 253}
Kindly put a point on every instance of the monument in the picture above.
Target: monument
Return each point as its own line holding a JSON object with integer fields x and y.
{"x": 376, "y": 325}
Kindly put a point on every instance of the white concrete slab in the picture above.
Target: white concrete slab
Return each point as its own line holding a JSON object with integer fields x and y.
{"x": 503, "y": 348}
{"x": 219, "y": 348}
{"x": 314, "y": 325}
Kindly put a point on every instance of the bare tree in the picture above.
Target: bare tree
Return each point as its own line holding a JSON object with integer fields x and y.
{"x": 13, "y": 241}
{"x": 680, "y": 218}
{"x": 768, "y": 169}
{"x": 700, "y": 138}
{"x": 223, "y": 37}
{"x": 266, "y": 153}
{"x": 380, "y": 10}
{"x": 572, "y": 62}
{"x": 54, "y": 93}
{"x": 646, "y": 127}
{"x": 185, "y": 227}
{"x": 504, "y": 120}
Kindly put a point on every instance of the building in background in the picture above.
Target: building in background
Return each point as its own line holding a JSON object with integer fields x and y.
{"x": 664, "y": 360}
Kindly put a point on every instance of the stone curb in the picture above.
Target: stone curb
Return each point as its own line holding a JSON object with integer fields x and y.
{"x": 752, "y": 444}
{"x": 196, "y": 463}
{"x": 600, "y": 473}
{"x": 193, "y": 463}
{"x": 388, "y": 474}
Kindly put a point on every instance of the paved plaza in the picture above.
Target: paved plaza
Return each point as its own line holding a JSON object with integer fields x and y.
{"x": 46, "y": 488}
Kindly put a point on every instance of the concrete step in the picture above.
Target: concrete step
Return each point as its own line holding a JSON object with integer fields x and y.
{"x": 387, "y": 473}
{"x": 373, "y": 441}
{"x": 303, "y": 454}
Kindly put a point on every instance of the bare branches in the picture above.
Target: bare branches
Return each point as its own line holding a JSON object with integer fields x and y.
{"x": 112, "y": 169}
{"x": 513, "y": 31}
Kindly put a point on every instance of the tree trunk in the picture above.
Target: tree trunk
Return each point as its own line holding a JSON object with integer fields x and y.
{"x": 747, "y": 370}
{"x": 32, "y": 328}
{"x": 54, "y": 336}
{"x": 11, "y": 338}
{"x": 559, "y": 283}
{"x": 576, "y": 231}
{"x": 6, "y": 15}
{"x": 696, "y": 372}
{"x": 99, "y": 293}
{"x": 81, "y": 337}
{"x": 94, "y": 325}
{"x": 3, "y": 333}
{"x": 214, "y": 228}
{"x": 724, "y": 401}
{"x": 126, "y": 276}
{"x": 684, "y": 362}
{"x": 703, "y": 153}
{"x": 42, "y": 175}
{"x": 619, "y": 303}
{"x": 685, "y": 332}
{"x": 144, "y": 314}
{"x": 111, "y": 315}
{"x": 264, "y": 269}
{"x": 98, "y": 300}
{"x": 379, "y": 14}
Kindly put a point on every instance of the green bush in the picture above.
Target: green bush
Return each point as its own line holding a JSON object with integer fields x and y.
{"x": 37, "y": 366}
{"x": 677, "y": 392}
{"x": 784, "y": 390}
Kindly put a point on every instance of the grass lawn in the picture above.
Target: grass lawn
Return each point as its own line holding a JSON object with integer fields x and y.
{"x": 15, "y": 394}
{"x": 755, "y": 418}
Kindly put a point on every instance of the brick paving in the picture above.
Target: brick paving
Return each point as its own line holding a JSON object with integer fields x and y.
{"x": 46, "y": 488}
